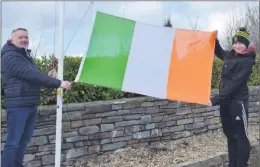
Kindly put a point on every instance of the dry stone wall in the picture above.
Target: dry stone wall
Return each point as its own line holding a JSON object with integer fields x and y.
{"x": 97, "y": 127}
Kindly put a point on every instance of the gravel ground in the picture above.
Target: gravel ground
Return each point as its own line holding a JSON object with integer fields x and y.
{"x": 254, "y": 159}
{"x": 167, "y": 153}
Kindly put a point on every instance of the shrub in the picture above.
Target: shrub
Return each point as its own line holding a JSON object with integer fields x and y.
{"x": 79, "y": 92}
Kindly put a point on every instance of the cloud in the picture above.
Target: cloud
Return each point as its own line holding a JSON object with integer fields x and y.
{"x": 38, "y": 14}
{"x": 77, "y": 55}
{"x": 150, "y": 12}
{"x": 214, "y": 14}
{"x": 216, "y": 21}
{"x": 41, "y": 15}
{"x": 214, "y": 6}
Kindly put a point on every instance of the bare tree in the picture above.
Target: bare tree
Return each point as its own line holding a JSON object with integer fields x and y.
{"x": 252, "y": 15}
{"x": 195, "y": 23}
{"x": 235, "y": 21}
{"x": 248, "y": 19}
{"x": 168, "y": 23}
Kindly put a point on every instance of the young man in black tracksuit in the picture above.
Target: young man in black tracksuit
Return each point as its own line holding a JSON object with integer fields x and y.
{"x": 233, "y": 96}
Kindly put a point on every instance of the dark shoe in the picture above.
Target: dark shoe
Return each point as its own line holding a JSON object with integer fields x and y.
{"x": 242, "y": 165}
{"x": 232, "y": 163}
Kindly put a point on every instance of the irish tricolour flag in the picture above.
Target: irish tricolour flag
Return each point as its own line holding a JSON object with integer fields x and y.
{"x": 156, "y": 61}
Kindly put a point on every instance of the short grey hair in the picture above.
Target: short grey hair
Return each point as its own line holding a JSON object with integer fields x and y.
{"x": 18, "y": 29}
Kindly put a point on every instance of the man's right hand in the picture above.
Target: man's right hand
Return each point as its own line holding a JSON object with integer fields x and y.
{"x": 65, "y": 85}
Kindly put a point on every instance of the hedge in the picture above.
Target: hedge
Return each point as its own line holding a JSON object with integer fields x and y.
{"x": 85, "y": 93}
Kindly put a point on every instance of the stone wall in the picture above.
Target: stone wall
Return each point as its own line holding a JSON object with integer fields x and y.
{"x": 97, "y": 127}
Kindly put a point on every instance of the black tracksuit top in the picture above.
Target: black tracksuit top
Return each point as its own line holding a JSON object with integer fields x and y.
{"x": 236, "y": 70}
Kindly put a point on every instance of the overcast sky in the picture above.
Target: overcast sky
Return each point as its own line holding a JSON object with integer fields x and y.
{"x": 39, "y": 18}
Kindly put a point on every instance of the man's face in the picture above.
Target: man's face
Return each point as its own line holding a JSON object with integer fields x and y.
{"x": 20, "y": 39}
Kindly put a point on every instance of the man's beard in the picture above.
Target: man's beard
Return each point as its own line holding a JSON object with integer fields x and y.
{"x": 24, "y": 46}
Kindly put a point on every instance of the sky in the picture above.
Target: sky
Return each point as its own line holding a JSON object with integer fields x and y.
{"x": 39, "y": 19}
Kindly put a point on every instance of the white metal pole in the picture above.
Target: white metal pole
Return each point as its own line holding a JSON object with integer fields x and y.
{"x": 60, "y": 54}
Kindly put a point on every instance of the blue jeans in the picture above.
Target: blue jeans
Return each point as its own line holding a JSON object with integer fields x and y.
{"x": 20, "y": 127}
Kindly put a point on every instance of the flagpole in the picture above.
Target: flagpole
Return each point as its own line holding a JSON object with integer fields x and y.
{"x": 60, "y": 54}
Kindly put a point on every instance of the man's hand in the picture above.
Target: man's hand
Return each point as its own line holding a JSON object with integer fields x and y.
{"x": 52, "y": 73}
{"x": 65, "y": 85}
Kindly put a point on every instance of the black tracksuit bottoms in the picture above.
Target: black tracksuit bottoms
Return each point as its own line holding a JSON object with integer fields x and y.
{"x": 234, "y": 119}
